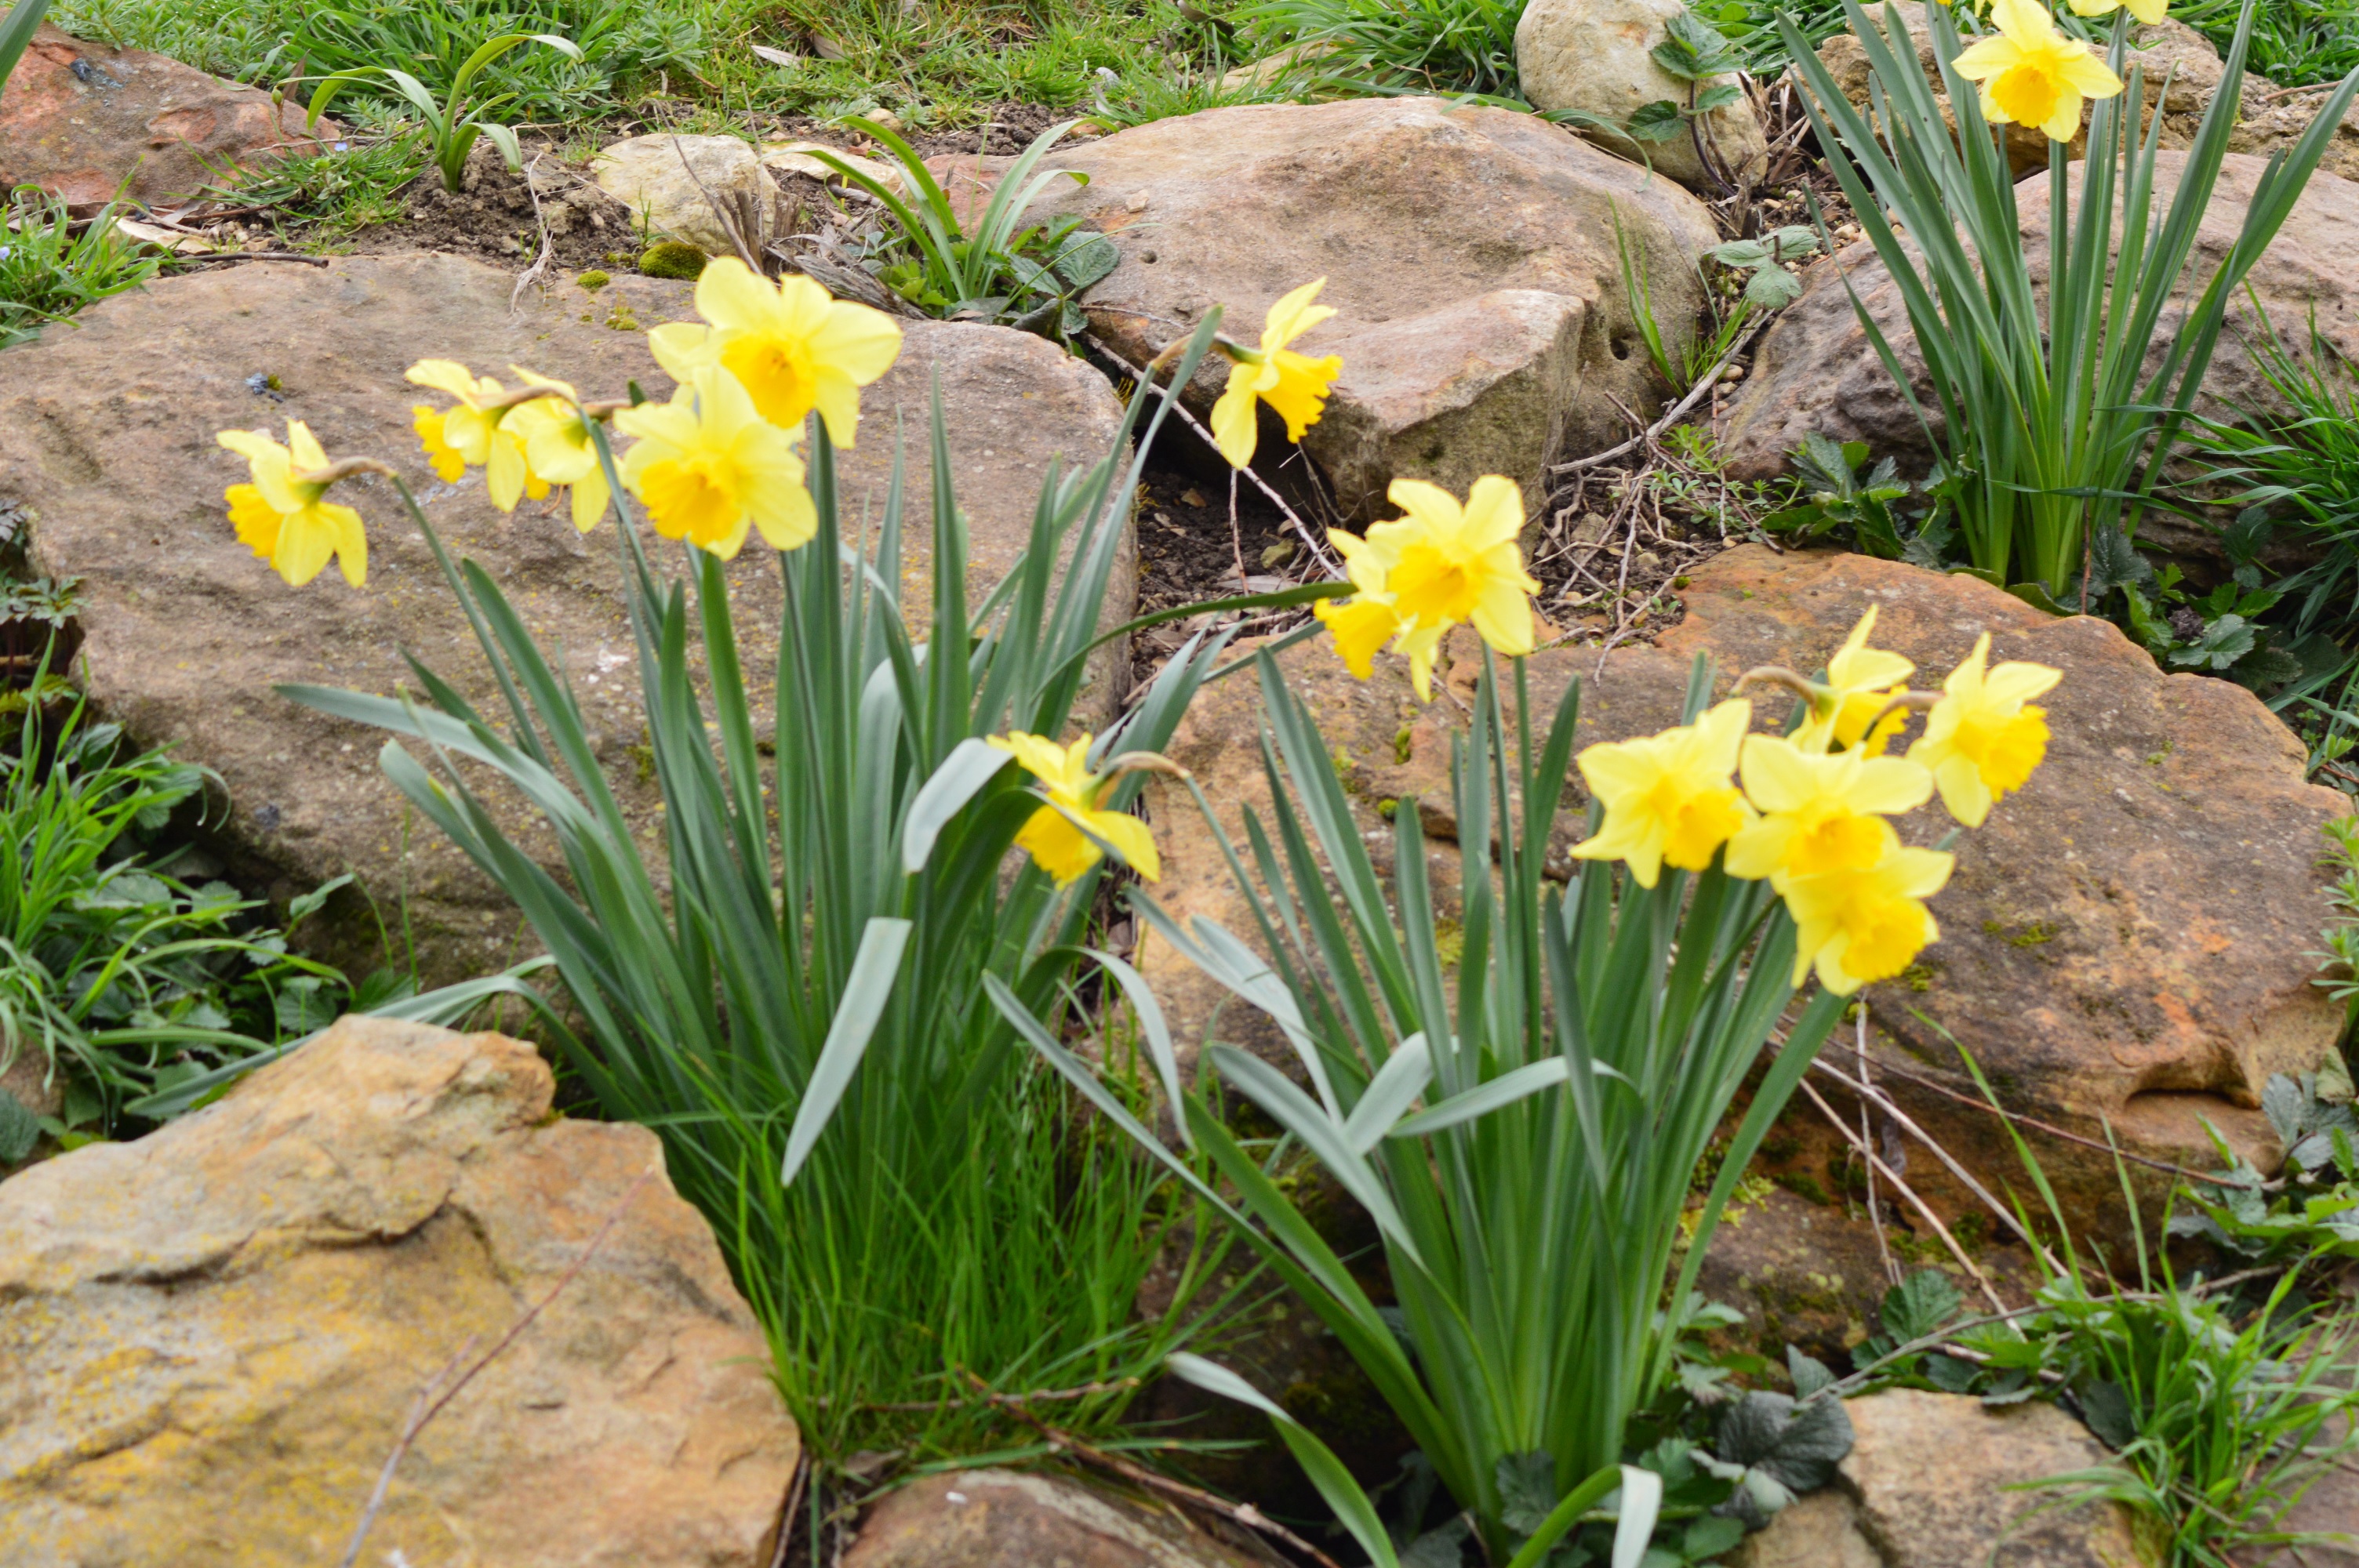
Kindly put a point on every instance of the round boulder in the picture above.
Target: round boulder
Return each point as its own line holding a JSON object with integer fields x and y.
{"x": 1596, "y": 56}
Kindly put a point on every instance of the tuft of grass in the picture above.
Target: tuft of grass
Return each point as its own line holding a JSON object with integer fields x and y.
{"x": 51, "y": 266}
{"x": 2296, "y": 43}
{"x": 351, "y": 184}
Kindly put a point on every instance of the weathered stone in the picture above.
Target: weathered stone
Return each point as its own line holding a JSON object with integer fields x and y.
{"x": 1470, "y": 255}
{"x": 2169, "y": 56}
{"x": 1595, "y": 56}
{"x": 106, "y": 432}
{"x": 1001, "y": 1518}
{"x": 2122, "y": 944}
{"x": 664, "y": 179}
{"x": 88, "y": 123}
{"x": 1927, "y": 1484}
{"x": 1816, "y": 370}
{"x": 209, "y": 1339}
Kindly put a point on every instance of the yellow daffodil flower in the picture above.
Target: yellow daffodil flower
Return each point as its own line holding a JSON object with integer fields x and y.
{"x": 1667, "y": 797}
{"x": 449, "y": 465}
{"x": 1819, "y": 813}
{"x": 1056, "y": 845}
{"x": 2146, "y": 11}
{"x": 1293, "y": 385}
{"x": 1862, "y": 925}
{"x": 281, "y": 516}
{"x": 1861, "y": 682}
{"x": 1982, "y": 739}
{"x": 475, "y": 432}
{"x": 709, "y": 468}
{"x": 556, "y": 437}
{"x": 1434, "y": 568}
{"x": 792, "y": 346}
{"x": 2032, "y": 74}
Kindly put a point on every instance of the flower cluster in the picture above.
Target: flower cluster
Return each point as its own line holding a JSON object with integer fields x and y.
{"x": 1813, "y": 817}
{"x": 713, "y": 465}
{"x": 1438, "y": 564}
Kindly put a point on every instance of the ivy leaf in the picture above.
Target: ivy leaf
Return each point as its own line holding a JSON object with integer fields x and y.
{"x": 1772, "y": 288}
{"x": 1809, "y": 1373}
{"x": 1718, "y": 96}
{"x": 1086, "y": 258}
{"x": 2114, "y": 562}
{"x": 1784, "y": 1449}
{"x": 1527, "y": 1490}
{"x": 19, "y": 1129}
{"x": 2107, "y": 1410}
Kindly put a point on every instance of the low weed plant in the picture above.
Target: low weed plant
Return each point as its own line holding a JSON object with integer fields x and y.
{"x": 2296, "y": 43}
{"x": 456, "y": 120}
{"x": 53, "y": 264}
{"x": 2050, "y": 423}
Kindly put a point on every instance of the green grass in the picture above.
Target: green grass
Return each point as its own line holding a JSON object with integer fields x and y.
{"x": 47, "y": 271}
{"x": 2296, "y": 43}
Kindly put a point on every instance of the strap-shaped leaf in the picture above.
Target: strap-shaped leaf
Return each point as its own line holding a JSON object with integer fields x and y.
{"x": 1327, "y": 1473}
{"x": 16, "y": 33}
{"x": 1503, "y": 1091}
{"x": 1157, "y": 1030}
{"x": 1389, "y": 1094}
{"x": 1295, "y": 1111}
{"x": 874, "y": 970}
{"x": 972, "y": 764}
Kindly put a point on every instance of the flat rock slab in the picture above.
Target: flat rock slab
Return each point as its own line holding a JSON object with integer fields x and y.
{"x": 1470, "y": 257}
{"x": 1816, "y": 370}
{"x": 1926, "y": 1486}
{"x": 81, "y": 120}
{"x": 106, "y": 433}
{"x": 209, "y": 1339}
{"x": 2122, "y": 943}
{"x": 1000, "y": 1518}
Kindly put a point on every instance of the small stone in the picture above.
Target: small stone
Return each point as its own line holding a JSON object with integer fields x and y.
{"x": 664, "y": 180}
{"x": 996, "y": 1518}
{"x": 673, "y": 258}
{"x": 1595, "y": 56}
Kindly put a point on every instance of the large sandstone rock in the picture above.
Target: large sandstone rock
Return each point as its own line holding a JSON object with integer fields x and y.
{"x": 1470, "y": 258}
{"x": 1816, "y": 371}
{"x": 2122, "y": 943}
{"x": 665, "y": 179}
{"x": 1596, "y": 56}
{"x": 80, "y": 120}
{"x": 999, "y": 1519}
{"x": 211, "y": 1338}
{"x": 2181, "y": 70}
{"x": 106, "y": 432}
{"x": 1927, "y": 1484}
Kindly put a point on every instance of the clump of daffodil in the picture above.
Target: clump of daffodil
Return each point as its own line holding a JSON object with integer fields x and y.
{"x": 2033, "y": 74}
{"x": 1819, "y": 813}
{"x": 1053, "y": 834}
{"x": 557, "y": 448}
{"x": 1438, "y": 566}
{"x": 792, "y": 346}
{"x": 1293, "y": 385}
{"x": 1983, "y": 739}
{"x": 283, "y": 516}
{"x": 710, "y": 469}
{"x": 1856, "y": 926}
{"x": 474, "y": 433}
{"x": 2146, "y": 11}
{"x": 1667, "y": 797}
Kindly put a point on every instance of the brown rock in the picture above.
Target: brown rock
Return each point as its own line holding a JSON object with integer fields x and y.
{"x": 2122, "y": 945}
{"x": 1816, "y": 370}
{"x": 1926, "y": 1486}
{"x": 80, "y": 119}
{"x": 2169, "y": 56}
{"x": 1469, "y": 253}
{"x": 1008, "y": 1519}
{"x": 209, "y": 1339}
{"x": 106, "y": 431}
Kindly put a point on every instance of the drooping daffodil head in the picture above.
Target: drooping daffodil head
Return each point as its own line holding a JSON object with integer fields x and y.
{"x": 2033, "y": 74}
{"x": 710, "y": 469}
{"x": 1869, "y": 925}
{"x": 1667, "y": 797}
{"x": 1439, "y": 565}
{"x": 283, "y": 516}
{"x": 1053, "y": 836}
{"x": 1985, "y": 738}
{"x": 474, "y": 432}
{"x": 791, "y": 345}
{"x": 1820, "y": 812}
{"x": 1294, "y": 386}
{"x": 558, "y": 447}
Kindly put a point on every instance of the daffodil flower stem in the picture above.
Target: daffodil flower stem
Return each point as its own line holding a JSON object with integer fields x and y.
{"x": 1914, "y": 701}
{"x": 1141, "y": 763}
{"x": 342, "y": 470}
{"x": 1780, "y": 675}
